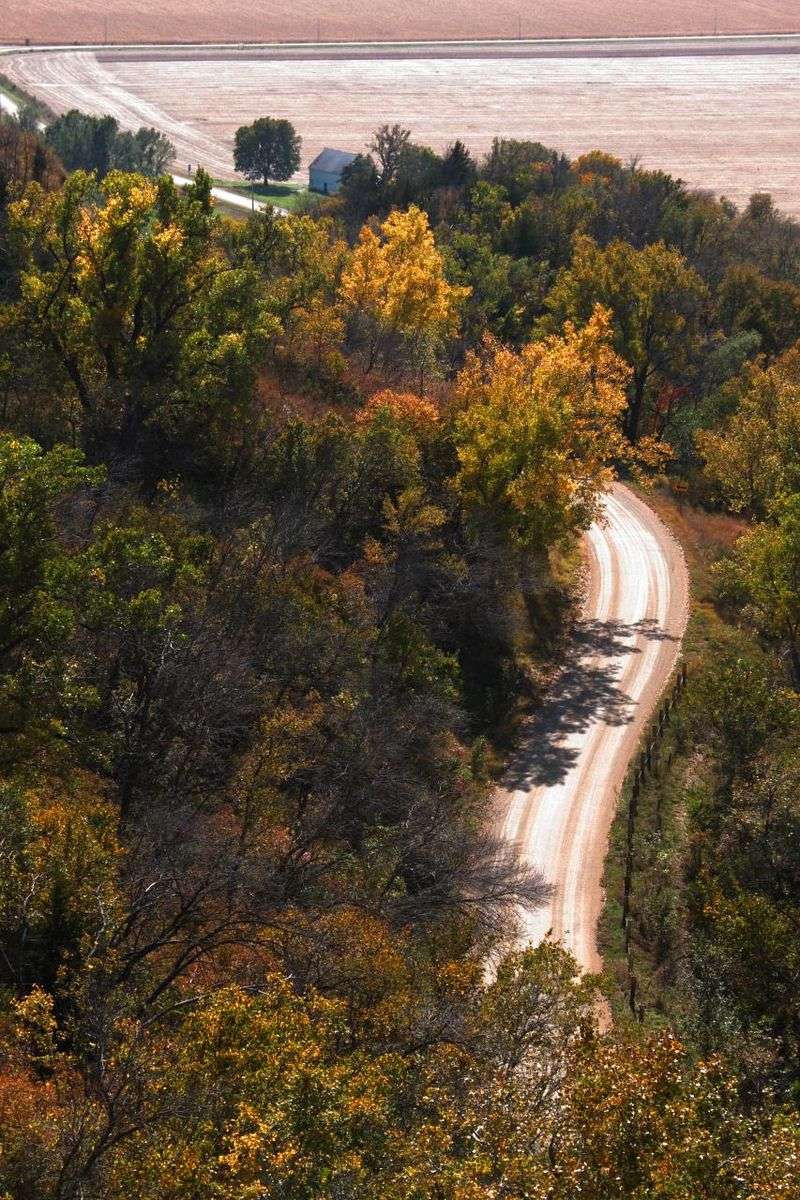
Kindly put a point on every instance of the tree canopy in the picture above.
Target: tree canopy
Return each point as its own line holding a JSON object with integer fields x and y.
{"x": 85, "y": 143}
{"x": 290, "y": 511}
{"x": 267, "y": 149}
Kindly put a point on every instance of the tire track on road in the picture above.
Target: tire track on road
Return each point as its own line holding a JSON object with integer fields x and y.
{"x": 560, "y": 793}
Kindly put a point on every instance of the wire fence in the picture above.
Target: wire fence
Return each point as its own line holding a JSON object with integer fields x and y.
{"x": 649, "y": 763}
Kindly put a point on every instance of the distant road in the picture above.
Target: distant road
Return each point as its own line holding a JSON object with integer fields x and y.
{"x": 235, "y": 200}
{"x": 614, "y": 47}
{"x": 561, "y": 790}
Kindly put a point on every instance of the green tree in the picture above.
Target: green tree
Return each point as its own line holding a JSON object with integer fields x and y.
{"x": 360, "y": 193}
{"x": 656, "y": 301}
{"x": 523, "y": 167}
{"x": 753, "y": 458}
{"x": 748, "y": 299}
{"x": 38, "y": 683}
{"x": 86, "y": 143}
{"x": 764, "y": 572}
{"x": 458, "y": 168}
{"x": 267, "y": 149}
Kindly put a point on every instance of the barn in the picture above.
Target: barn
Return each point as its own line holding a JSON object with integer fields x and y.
{"x": 325, "y": 172}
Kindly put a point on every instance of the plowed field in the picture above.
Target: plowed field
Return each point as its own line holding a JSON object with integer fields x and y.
{"x": 242, "y": 20}
{"x": 727, "y": 122}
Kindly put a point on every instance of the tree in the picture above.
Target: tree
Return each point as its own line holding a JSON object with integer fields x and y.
{"x": 537, "y": 432}
{"x": 754, "y": 457}
{"x": 748, "y": 299}
{"x": 267, "y": 149}
{"x": 504, "y": 292}
{"x": 135, "y": 321}
{"x": 60, "y": 883}
{"x": 388, "y": 144}
{"x": 147, "y": 152}
{"x": 655, "y": 300}
{"x": 523, "y": 167}
{"x": 637, "y": 1121}
{"x": 86, "y": 143}
{"x": 24, "y": 159}
{"x": 396, "y": 283}
{"x": 458, "y": 168}
{"x": 416, "y": 178}
{"x": 764, "y": 571}
{"x": 738, "y": 707}
{"x": 38, "y": 684}
{"x": 360, "y": 193}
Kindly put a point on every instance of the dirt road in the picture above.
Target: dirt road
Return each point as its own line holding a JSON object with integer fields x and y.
{"x": 560, "y": 793}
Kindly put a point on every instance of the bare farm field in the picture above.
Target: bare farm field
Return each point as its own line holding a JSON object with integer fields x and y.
{"x": 368, "y": 20}
{"x": 729, "y": 124}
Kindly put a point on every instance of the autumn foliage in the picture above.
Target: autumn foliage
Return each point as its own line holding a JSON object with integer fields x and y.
{"x": 280, "y": 504}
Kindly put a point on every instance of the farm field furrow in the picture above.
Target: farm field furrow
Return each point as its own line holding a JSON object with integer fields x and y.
{"x": 726, "y": 124}
{"x": 240, "y": 20}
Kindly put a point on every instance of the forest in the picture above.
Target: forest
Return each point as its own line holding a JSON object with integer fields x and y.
{"x": 290, "y": 512}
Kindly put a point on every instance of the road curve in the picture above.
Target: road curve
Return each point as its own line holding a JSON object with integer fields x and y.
{"x": 559, "y": 796}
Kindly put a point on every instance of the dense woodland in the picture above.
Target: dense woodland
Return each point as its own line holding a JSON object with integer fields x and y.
{"x": 288, "y": 524}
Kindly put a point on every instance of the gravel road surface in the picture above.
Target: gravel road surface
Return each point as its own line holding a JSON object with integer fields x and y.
{"x": 560, "y": 793}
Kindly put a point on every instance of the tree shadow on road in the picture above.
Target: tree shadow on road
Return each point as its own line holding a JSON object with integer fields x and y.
{"x": 586, "y": 692}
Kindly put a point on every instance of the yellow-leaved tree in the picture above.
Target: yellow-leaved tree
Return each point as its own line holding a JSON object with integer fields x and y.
{"x": 537, "y": 432}
{"x": 133, "y": 324}
{"x": 395, "y": 291}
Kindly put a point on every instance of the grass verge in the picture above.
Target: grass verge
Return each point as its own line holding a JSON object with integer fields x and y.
{"x": 653, "y": 950}
{"x": 282, "y": 195}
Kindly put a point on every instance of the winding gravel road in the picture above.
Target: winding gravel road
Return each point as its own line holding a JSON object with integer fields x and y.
{"x": 560, "y": 793}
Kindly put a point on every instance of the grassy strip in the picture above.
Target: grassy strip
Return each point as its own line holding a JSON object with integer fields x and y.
{"x": 282, "y": 195}
{"x": 41, "y": 111}
{"x": 229, "y": 210}
{"x": 654, "y": 907}
{"x": 656, "y": 902}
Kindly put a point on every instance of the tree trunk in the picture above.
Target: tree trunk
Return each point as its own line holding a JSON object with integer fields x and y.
{"x": 634, "y": 417}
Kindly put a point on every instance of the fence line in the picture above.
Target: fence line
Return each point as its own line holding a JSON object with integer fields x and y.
{"x": 648, "y": 764}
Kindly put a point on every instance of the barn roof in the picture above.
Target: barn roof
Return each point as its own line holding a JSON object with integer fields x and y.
{"x": 332, "y": 160}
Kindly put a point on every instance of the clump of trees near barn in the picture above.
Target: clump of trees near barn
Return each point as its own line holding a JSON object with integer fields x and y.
{"x": 271, "y": 496}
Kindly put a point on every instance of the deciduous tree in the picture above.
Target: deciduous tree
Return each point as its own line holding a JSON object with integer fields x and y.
{"x": 754, "y": 457}
{"x": 537, "y": 432}
{"x": 765, "y": 572}
{"x": 395, "y": 284}
{"x": 656, "y": 301}
{"x": 267, "y": 149}
{"x": 132, "y": 324}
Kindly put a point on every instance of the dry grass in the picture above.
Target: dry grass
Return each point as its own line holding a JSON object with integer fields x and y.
{"x": 241, "y": 20}
{"x": 704, "y": 535}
